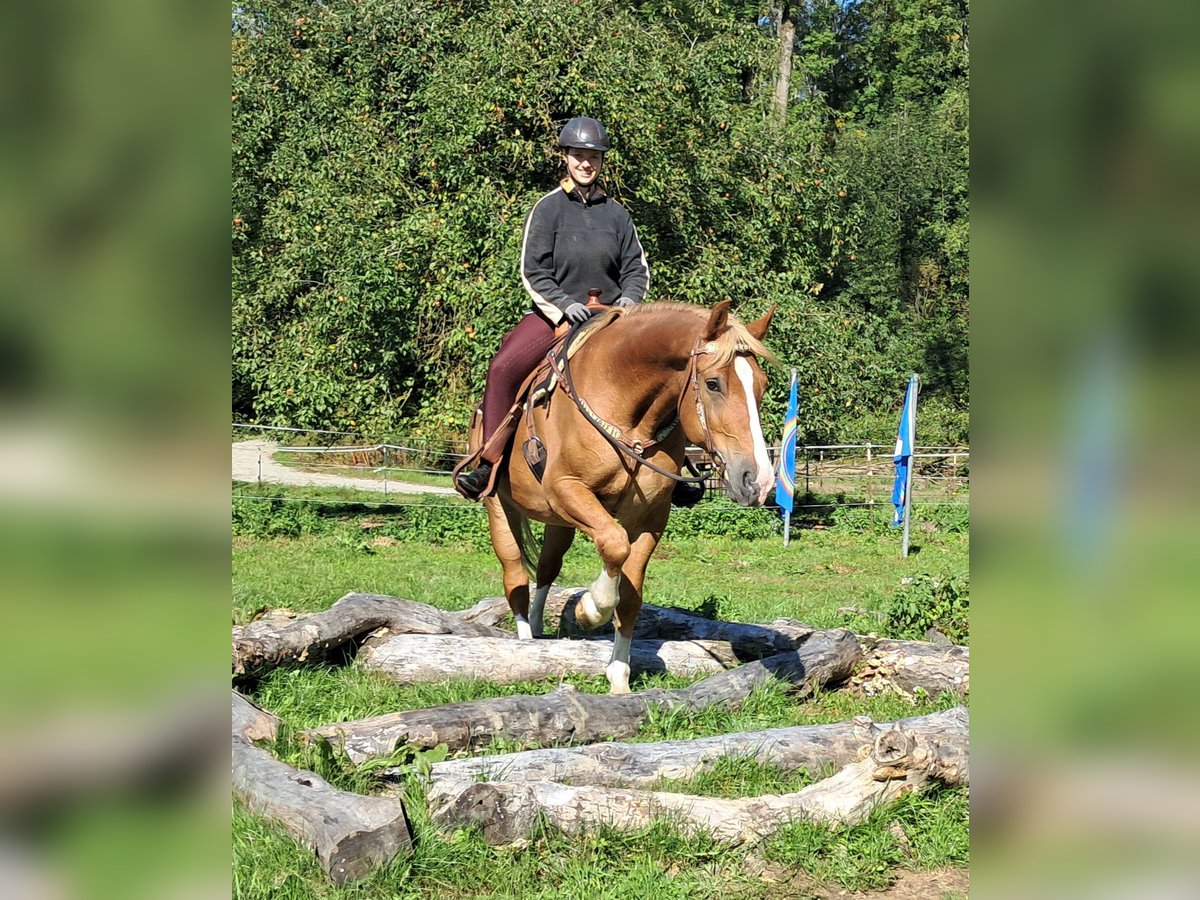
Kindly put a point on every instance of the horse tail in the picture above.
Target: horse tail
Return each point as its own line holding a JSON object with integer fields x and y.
{"x": 522, "y": 533}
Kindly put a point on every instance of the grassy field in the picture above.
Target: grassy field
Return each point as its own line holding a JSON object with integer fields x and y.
{"x": 306, "y": 547}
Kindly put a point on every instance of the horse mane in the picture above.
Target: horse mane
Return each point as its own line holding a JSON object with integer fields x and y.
{"x": 733, "y": 340}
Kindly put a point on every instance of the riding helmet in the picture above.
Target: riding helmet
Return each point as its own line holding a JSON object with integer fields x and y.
{"x": 585, "y": 134}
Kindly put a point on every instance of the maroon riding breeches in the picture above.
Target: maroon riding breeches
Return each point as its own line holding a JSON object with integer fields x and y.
{"x": 520, "y": 352}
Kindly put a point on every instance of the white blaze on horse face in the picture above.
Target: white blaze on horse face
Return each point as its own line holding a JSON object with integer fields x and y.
{"x": 765, "y": 477}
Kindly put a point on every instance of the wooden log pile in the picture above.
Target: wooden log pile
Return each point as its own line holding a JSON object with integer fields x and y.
{"x": 906, "y": 667}
{"x": 282, "y": 639}
{"x": 584, "y": 779}
{"x": 803, "y": 747}
{"x": 567, "y": 716}
{"x": 350, "y": 833}
{"x": 418, "y": 658}
{"x": 896, "y": 762}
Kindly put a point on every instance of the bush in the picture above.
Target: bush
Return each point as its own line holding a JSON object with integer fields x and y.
{"x": 953, "y": 518}
{"x": 267, "y": 517}
{"x": 929, "y": 602}
{"x": 862, "y": 519}
{"x": 432, "y": 520}
{"x": 717, "y": 515}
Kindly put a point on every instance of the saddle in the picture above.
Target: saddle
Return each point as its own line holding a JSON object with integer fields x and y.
{"x": 536, "y": 390}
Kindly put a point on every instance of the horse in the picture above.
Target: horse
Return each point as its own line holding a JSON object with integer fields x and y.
{"x": 649, "y": 380}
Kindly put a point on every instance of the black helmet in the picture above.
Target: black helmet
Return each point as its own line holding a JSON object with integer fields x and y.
{"x": 585, "y": 134}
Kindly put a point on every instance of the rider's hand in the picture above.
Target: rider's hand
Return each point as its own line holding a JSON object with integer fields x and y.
{"x": 577, "y": 313}
{"x": 624, "y": 301}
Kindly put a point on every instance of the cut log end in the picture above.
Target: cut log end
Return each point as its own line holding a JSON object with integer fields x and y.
{"x": 354, "y": 856}
{"x": 504, "y": 820}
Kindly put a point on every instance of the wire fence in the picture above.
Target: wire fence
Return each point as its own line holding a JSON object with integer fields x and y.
{"x": 827, "y": 475}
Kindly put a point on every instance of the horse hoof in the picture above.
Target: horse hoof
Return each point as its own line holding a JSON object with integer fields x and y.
{"x": 587, "y": 616}
{"x": 524, "y": 631}
{"x": 618, "y": 678}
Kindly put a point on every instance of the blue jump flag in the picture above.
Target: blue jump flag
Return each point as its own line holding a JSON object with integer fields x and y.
{"x": 785, "y": 482}
{"x": 902, "y": 456}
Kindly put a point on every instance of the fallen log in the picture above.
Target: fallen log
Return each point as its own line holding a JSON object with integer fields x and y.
{"x": 808, "y": 747}
{"x": 566, "y": 716}
{"x": 899, "y": 762}
{"x": 656, "y": 622}
{"x": 421, "y": 658}
{"x": 904, "y": 667}
{"x": 350, "y": 833}
{"x": 274, "y": 641}
{"x": 252, "y": 722}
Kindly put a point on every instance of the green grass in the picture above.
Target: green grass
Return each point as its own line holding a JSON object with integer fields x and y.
{"x": 850, "y": 561}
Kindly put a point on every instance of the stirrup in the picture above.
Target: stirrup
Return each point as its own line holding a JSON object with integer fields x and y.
{"x": 473, "y": 483}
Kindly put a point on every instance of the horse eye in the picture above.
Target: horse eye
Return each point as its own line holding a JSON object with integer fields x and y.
{"x": 713, "y": 384}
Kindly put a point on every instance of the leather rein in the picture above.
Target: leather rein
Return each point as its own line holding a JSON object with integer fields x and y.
{"x": 636, "y": 449}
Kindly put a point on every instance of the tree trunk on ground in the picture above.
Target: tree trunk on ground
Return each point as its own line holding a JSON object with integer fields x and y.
{"x": 656, "y": 622}
{"x": 419, "y": 658}
{"x": 271, "y": 642}
{"x": 350, "y": 833}
{"x": 808, "y": 747}
{"x": 569, "y": 717}
{"x": 903, "y": 667}
{"x": 252, "y": 722}
{"x": 898, "y": 763}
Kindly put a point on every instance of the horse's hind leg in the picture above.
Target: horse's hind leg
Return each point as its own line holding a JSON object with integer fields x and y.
{"x": 634, "y": 572}
{"x": 516, "y": 579}
{"x": 555, "y": 543}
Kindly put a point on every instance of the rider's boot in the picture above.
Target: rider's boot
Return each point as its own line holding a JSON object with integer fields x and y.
{"x": 472, "y": 484}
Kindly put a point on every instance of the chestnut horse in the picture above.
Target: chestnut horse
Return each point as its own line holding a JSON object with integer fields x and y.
{"x": 657, "y": 376}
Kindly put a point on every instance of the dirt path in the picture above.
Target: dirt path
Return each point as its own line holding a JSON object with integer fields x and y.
{"x": 254, "y": 461}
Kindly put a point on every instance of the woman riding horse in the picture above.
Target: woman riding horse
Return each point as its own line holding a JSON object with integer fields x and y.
{"x": 649, "y": 381}
{"x": 577, "y": 239}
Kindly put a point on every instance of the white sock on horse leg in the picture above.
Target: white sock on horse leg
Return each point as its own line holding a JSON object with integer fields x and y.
{"x": 605, "y": 593}
{"x": 537, "y": 607}
{"x": 524, "y": 632}
{"x": 618, "y": 669}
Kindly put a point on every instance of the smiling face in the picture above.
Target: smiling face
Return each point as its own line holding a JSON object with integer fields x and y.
{"x": 584, "y": 165}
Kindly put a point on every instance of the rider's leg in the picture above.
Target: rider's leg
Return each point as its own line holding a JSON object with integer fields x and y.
{"x": 519, "y": 353}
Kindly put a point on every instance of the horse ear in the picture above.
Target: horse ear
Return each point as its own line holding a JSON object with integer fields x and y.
{"x": 718, "y": 321}
{"x": 758, "y": 328}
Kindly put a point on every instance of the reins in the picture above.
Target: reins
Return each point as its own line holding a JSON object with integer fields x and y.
{"x": 637, "y": 448}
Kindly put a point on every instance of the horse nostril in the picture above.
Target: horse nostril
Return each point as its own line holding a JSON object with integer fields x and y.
{"x": 749, "y": 484}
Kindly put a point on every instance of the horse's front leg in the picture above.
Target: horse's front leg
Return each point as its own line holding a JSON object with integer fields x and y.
{"x": 634, "y": 572}
{"x": 576, "y": 504}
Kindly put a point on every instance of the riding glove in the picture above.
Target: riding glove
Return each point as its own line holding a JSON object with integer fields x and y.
{"x": 577, "y": 313}
{"x": 624, "y": 301}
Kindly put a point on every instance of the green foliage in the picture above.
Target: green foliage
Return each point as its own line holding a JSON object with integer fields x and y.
{"x": 431, "y": 519}
{"x": 268, "y": 517}
{"x": 863, "y": 519}
{"x": 384, "y": 157}
{"x": 925, "y": 602}
{"x": 952, "y": 518}
{"x": 716, "y": 514}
